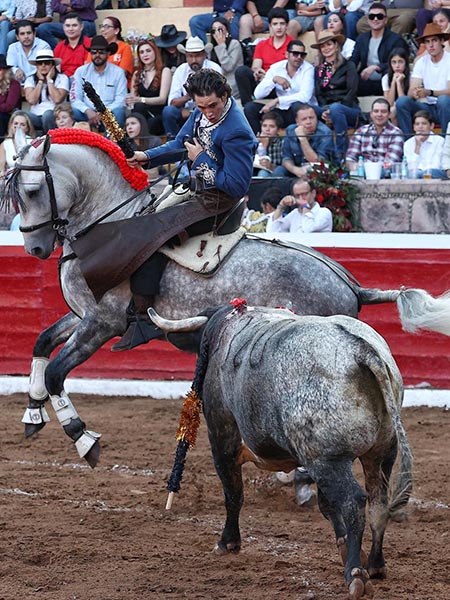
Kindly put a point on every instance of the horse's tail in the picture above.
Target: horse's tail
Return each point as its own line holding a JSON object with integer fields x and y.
{"x": 417, "y": 308}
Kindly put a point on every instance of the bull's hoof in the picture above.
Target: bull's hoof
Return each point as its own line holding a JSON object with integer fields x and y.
{"x": 231, "y": 548}
{"x": 32, "y": 428}
{"x": 93, "y": 456}
{"x": 377, "y": 573}
{"x": 360, "y": 586}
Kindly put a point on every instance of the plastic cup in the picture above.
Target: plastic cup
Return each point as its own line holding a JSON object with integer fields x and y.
{"x": 373, "y": 169}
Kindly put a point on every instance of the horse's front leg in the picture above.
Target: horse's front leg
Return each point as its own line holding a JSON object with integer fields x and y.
{"x": 92, "y": 332}
{"x": 35, "y": 416}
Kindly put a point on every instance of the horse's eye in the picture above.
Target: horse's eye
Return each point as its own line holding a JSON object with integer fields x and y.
{"x": 32, "y": 194}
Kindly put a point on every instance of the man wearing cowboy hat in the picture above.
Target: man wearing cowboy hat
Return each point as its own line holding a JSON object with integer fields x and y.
{"x": 180, "y": 103}
{"x": 231, "y": 10}
{"x": 21, "y": 52}
{"x": 107, "y": 79}
{"x": 45, "y": 89}
{"x": 429, "y": 88}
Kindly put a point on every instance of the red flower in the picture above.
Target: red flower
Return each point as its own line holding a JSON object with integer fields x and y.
{"x": 319, "y": 198}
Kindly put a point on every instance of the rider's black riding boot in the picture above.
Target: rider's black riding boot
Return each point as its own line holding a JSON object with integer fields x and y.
{"x": 140, "y": 327}
{"x": 105, "y": 5}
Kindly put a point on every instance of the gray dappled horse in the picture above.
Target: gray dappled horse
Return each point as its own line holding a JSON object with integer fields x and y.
{"x": 87, "y": 184}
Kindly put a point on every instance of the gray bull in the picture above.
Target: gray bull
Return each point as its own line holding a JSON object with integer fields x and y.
{"x": 281, "y": 391}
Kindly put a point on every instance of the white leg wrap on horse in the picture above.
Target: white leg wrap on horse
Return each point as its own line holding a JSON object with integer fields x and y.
{"x": 37, "y": 378}
{"x": 35, "y": 416}
{"x": 63, "y": 408}
{"x": 86, "y": 441}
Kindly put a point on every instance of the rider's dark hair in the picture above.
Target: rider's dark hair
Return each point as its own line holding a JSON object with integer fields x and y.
{"x": 206, "y": 82}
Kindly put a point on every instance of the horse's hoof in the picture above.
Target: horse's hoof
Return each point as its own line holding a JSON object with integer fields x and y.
{"x": 380, "y": 573}
{"x": 31, "y": 428}
{"x": 93, "y": 456}
{"x": 221, "y": 549}
{"x": 360, "y": 586}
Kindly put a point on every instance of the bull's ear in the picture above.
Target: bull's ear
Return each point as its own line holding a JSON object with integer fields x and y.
{"x": 47, "y": 144}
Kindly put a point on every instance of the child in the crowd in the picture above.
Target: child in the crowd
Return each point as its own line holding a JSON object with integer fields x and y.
{"x": 270, "y": 146}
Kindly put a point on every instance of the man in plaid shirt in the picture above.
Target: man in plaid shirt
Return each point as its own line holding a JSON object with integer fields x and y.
{"x": 378, "y": 141}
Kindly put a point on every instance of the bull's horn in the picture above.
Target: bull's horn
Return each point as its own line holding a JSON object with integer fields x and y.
{"x": 170, "y": 325}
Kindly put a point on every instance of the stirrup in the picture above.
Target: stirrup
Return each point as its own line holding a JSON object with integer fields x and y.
{"x": 140, "y": 331}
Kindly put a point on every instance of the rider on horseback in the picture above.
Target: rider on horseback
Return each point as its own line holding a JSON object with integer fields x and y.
{"x": 220, "y": 146}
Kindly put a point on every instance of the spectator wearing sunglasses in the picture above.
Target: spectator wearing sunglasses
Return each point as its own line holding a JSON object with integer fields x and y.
{"x": 293, "y": 82}
{"x": 401, "y": 16}
{"x": 372, "y": 50}
{"x": 379, "y": 141}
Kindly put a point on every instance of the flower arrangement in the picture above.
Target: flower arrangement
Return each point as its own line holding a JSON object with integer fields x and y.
{"x": 336, "y": 191}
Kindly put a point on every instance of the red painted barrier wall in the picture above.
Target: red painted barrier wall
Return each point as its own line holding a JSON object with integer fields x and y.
{"x": 30, "y": 300}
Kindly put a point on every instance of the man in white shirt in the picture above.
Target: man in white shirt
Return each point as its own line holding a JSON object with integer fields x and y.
{"x": 429, "y": 88}
{"x": 179, "y": 103}
{"x": 308, "y": 217}
{"x": 293, "y": 81}
{"x": 423, "y": 151}
{"x": 25, "y": 49}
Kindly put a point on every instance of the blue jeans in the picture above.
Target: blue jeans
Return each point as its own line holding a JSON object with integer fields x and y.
{"x": 172, "y": 120}
{"x": 119, "y": 113}
{"x": 4, "y": 29}
{"x": 43, "y": 122}
{"x": 201, "y": 24}
{"x": 50, "y": 31}
{"x": 407, "y": 107}
{"x": 342, "y": 117}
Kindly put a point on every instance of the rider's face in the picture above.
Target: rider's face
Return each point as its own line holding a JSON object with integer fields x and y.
{"x": 211, "y": 106}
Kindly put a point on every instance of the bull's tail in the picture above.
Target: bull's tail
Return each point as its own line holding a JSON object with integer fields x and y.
{"x": 417, "y": 308}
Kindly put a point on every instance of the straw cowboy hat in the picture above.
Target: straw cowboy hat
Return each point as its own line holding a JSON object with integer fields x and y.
{"x": 170, "y": 36}
{"x": 3, "y": 64}
{"x": 98, "y": 42}
{"x": 194, "y": 44}
{"x": 431, "y": 29}
{"x": 45, "y": 55}
{"x": 326, "y": 36}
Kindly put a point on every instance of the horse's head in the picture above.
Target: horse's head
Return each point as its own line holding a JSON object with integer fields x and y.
{"x": 32, "y": 192}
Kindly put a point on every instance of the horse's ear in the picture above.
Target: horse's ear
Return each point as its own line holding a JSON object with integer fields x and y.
{"x": 20, "y": 139}
{"x": 47, "y": 144}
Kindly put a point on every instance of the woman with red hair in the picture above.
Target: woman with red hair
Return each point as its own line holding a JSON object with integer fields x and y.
{"x": 150, "y": 86}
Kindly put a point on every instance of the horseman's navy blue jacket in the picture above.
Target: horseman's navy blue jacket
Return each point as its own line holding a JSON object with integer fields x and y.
{"x": 228, "y": 151}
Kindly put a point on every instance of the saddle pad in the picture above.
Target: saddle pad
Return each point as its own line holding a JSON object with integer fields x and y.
{"x": 204, "y": 253}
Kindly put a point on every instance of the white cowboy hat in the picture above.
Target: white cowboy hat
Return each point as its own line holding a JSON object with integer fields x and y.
{"x": 43, "y": 55}
{"x": 194, "y": 44}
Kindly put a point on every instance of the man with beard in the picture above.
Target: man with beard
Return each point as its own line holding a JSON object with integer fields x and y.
{"x": 108, "y": 80}
{"x": 179, "y": 103}
{"x": 25, "y": 49}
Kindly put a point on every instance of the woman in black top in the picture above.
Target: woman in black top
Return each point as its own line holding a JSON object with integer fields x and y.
{"x": 336, "y": 84}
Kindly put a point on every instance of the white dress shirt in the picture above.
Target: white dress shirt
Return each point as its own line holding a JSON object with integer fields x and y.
{"x": 301, "y": 84}
{"x": 430, "y": 154}
{"x": 179, "y": 79}
{"x": 318, "y": 218}
{"x": 19, "y": 60}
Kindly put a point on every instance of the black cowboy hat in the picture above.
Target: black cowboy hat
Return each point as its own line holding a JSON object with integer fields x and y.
{"x": 3, "y": 64}
{"x": 98, "y": 42}
{"x": 170, "y": 36}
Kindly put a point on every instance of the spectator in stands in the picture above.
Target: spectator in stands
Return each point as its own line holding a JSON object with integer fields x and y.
{"x": 267, "y": 52}
{"x": 8, "y": 149}
{"x": 7, "y": 9}
{"x": 85, "y": 11}
{"x": 255, "y": 221}
{"x": 45, "y": 89}
{"x": 424, "y": 150}
{"x": 10, "y": 94}
{"x": 395, "y": 82}
{"x": 32, "y": 11}
{"x": 107, "y": 4}
{"x": 111, "y": 30}
{"x": 430, "y": 83}
{"x": 351, "y": 11}
{"x": 307, "y": 12}
{"x": 292, "y": 80}
{"x": 336, "y": 24}
{"x": 25, "y": 49}
{"x": 64, "y": 118}
{"x": 150, "y": 86}
{"x": 108, "y": 80}
{"x": 180, "y": 103}
{"x": 257, "y": 18}
{"x": 226, "y": 52}
{"x": 137, "y": 130}
{"x": 73, "y": 51}
{"x": 270, "y": 147}
{"x": 167, "y": 42}
{"x": 307, "y": 141}
{"x": 372, "y": 50}
{"x": 231, "y": 10}
{"x": 336, "y": 87}
{"x": 306, "y": 215}
{"x": 446, "y": 153}
{"x": 442, "y": 19}
{"x": 379, "y": 141}
{"x": 401, "y": 16}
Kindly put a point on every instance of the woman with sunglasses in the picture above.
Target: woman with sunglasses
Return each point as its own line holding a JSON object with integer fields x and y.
{"x": 111, "y": 29}
{"x": 226, "y": 51}
{"x": 336, "y": 85}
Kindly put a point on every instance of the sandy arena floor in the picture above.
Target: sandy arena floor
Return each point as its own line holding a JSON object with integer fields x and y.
{"x": 72, "y": 533}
